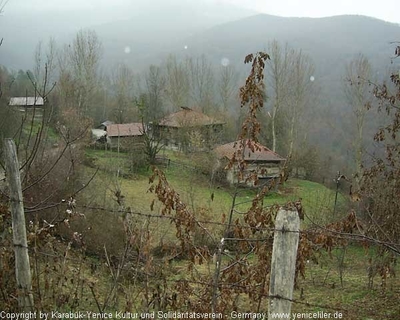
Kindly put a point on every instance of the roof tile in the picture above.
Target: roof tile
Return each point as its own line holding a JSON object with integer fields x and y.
{"x": 187, "y": 118}
{"x": 261, "y": 153}
{"x": 124, "y": 130}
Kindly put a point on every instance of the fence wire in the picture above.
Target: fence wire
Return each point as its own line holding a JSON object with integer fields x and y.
{"x": 316, "y": 229}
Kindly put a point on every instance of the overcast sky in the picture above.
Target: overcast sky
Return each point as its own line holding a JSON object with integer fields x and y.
{"x": 106, "y": 10}
{"x": 387, "y": 10}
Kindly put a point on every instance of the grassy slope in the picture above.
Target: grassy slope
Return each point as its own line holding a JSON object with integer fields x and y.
{"x": 210, "y": 202}
{"x": 322, "y": 286}
{"x": 196, "y": 189}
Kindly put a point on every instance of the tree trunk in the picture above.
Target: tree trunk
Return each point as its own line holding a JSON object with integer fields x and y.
{"x": 273, "y": 131}
{"x": 291, "y": 137}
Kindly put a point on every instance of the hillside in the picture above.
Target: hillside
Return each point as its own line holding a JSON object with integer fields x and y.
{"x": 147, "y": 28}
{"x": 331, "y": 42}
{"x": 151, "y": 33}
{"x": 217, "y": 30}
{"x": 193, "y": 183}
{"x": 121, "y": 260}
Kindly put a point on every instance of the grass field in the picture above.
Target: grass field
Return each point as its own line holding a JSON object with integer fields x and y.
{"x": 198, "y": 191}
{"x": 323, "y": 289}
{"x": 210, "y": 202}
{"x": 331, "y": 284}
{"x": 320, "y": 291}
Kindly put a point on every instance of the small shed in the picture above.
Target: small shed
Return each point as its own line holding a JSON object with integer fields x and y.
{"x": 31, "y": 105}
{"x": 27, "y": 102}
{"x": 125, "y": 136}
{"x": 189, "y": 129}
{"x": 266, "y": 163}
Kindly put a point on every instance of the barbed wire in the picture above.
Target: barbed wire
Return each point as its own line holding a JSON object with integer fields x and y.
{"x": 222, "y": 285}
{"x": 316, "y": 230}
{"x": 394, "y": 246}
{"x": 261, "y": 229}
{"x": 205, "y": 284}
{"x": 225, "y": 285}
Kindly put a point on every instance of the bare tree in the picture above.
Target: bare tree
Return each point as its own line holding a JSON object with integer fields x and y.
{"x": 227, "y": 85}
{"x": 177, "y": 82}
{"x": 301, "y": 95}
{"x": 201, "y": 79}
{"x": 358, "y": 93}
{"x": 380, "y": 183}
{"x": 2, "y": 5}
{"x": 155, "y": 87}
{"x": 45, "y": 64}
{"x": 66, "y": 84}
{"x": 278, "y": 75}
{"x": 123, "y": 87}
{"x": 79, "y": 70}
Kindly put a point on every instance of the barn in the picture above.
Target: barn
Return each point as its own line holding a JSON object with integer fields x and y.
{"x": 125, "y": 136}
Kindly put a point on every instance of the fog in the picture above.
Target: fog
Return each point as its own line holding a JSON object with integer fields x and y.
{"x": 107, "y": 10}
{"x": 24, "y": 22}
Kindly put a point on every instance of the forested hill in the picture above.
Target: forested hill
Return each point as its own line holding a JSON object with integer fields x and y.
{"x": 331, "y": 42}
{"x": 147, "y": 28}
{"x": 152, "y": 35}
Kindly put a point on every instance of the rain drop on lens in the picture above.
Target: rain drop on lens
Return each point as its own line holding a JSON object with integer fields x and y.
{"x": 127, "y": 49}
{"x": 312, "y": 78}
{"x": 225, "y": 62}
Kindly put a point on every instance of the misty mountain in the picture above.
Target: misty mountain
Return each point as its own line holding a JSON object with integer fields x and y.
{"x": 217, "y": 30}
{"x": 331, "y": 42}
{"x": 131, "y": 33}
{"x": 155, "y": 30}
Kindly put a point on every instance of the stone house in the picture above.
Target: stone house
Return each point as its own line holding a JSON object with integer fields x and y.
{"x": 259, "y": 160}
{"x": 188, "y": 130}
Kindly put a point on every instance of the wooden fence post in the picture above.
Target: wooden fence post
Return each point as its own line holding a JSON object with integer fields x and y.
{"x": 283, "y": 264}
{"x": 22, "y": 267}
